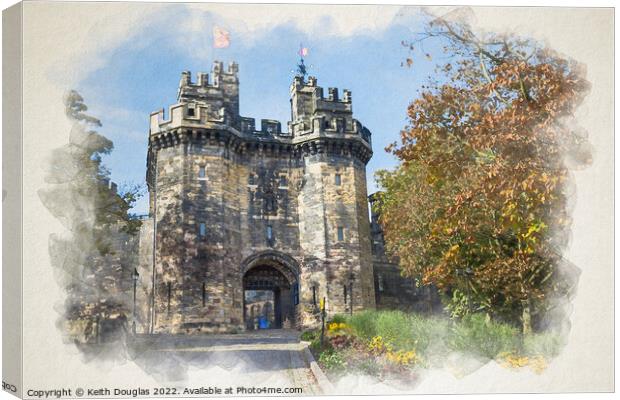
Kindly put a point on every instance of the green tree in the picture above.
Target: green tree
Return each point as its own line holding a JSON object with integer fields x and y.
{"x": 96, "y": 257}
{"x": 477, "y": 205}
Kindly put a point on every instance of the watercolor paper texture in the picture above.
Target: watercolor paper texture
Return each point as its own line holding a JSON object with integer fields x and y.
{"x": 247, "y": 176}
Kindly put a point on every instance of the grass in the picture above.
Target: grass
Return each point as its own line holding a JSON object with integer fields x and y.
{"x": 401, "y": 330}
{"x": 478, "y": 336}
{"x": 364, "y": 324}
{"x": 474, "y": 335}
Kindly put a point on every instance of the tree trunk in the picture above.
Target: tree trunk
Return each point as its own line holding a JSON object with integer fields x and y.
{"x": 526, "y": 318}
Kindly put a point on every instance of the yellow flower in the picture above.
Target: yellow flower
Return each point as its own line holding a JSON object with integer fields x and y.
{"x": 376, "y": 345}
{"x": 512, "y": 360}
{"x": 335, "y": 326}
{"x": 538, "y": 364}
{"x": 402, "y": 357}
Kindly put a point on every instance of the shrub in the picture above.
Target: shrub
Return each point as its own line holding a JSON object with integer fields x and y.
{"x": 315, "y": 345}
{"x": 338, "y": 319}
{"x": 340, "y": 342}
{"x": 332, "y": 360}
{"x": 479, "y": 335}
{"x": 309, "y": 336}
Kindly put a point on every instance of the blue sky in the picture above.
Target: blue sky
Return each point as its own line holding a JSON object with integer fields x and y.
{"x": 141, "y": 75}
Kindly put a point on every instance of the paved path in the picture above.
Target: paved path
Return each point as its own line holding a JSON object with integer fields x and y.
{"x": 270, "y": 358}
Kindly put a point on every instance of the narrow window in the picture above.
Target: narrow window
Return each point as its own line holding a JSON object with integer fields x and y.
{"x": 204, "y": 294}
{"x": 380, "y": 282}
{"x": 202, "y": 172}
{"x": 344, "y": 290}
{"x": 269, "y": 232}
{"x": 270, "y": 203}
{"x": 296, "y": 294}
{"x": 338, "y": 180}
{"x": 314, "y": 295}
{"x": 169, "y": 295}
{"x": 283, "y": 181}
{"x": 190, "y": 111}
{"x": 340, "y": 125}
{"x": 203, "y": 229}
{"x": 340, "y": 233}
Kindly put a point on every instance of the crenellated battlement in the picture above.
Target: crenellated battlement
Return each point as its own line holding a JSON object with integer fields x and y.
{"x": 219, "y": 74}
{"x": 330, "y": 114}
{"x": 299, "y": 85}
{"x": 268, "y": 127}
{"x": 212, "y": 102}
{"x": 218, "y": 90}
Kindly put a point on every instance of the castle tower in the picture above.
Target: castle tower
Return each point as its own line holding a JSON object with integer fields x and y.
{"x": 241, "y": 213}
{"x": 333, "y": 209}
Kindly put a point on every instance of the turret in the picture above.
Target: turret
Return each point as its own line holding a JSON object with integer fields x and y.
{"x": 314, "y": 113}
{"x": 222, "y": 92}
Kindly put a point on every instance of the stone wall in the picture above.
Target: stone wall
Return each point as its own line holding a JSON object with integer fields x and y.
{"x": 392, "y": 289}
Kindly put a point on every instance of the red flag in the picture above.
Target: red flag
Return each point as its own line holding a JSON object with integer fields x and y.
{"x": 221, "y": 38}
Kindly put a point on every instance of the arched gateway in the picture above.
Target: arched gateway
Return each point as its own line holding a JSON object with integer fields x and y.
{"x": 270, "y": 291}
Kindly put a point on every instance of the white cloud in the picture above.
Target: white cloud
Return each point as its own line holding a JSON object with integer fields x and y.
{"x": 73, "y": 40}
{"x": 70, "y": 40}
{"x": 333, "y": 20}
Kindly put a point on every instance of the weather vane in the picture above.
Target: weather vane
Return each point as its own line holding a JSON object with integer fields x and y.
{"x": 302, "y": 70}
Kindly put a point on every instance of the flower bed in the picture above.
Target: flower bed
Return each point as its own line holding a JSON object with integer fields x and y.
{"x": 395, "y": 345}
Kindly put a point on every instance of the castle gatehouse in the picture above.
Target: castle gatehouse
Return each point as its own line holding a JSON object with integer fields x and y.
{"x": 251, "y": 225}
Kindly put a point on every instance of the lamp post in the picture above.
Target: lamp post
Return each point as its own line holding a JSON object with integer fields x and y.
{"x": 135, "y": 277}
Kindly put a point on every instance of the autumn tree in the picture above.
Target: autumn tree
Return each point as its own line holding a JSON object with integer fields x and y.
{"x": 477, "y": 205}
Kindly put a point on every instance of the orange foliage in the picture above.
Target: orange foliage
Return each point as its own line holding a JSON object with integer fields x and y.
{"x": 477, "y": 204}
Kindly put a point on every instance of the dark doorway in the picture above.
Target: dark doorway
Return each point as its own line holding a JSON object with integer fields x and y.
{"x": 268, "y": 298}
{"x": 260, "y": 309}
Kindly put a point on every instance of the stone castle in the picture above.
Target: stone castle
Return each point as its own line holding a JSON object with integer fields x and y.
{"x": 237, "y": 209}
